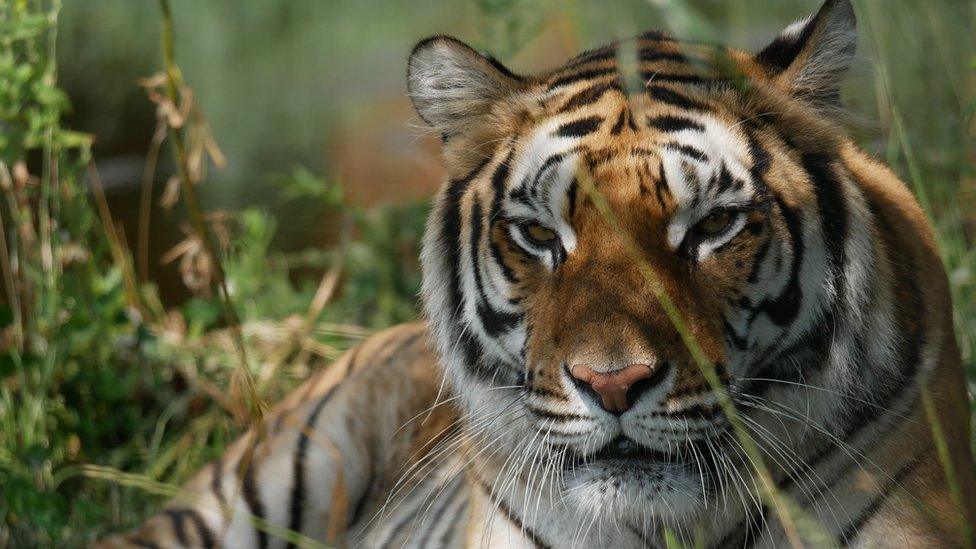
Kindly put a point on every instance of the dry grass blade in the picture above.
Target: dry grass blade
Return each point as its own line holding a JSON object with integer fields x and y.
{"x": 189, "y": 165}
{"x": 117, "y": 242}
{"x": 786, "y": 510}
{"x": 326, "y": 288}
{"x": 945, "y": 457}
{"x": 145, "y": 197}
{"x": 13, "y": 336}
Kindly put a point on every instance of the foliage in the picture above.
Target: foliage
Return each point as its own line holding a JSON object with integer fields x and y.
{"x": 68, "y": 386}
{"x": 92, "y": 371}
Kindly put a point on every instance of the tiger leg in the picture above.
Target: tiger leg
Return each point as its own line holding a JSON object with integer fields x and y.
{"x": 324, "y": 462}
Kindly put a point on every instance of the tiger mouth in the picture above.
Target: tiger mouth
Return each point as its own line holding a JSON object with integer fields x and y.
{"x": 628, "y": 452}
{"x": 625, "y": 449}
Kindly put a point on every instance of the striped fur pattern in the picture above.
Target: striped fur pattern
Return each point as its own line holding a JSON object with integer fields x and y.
{"x": 818, "y": 298}
{"x": 326, "y": 463}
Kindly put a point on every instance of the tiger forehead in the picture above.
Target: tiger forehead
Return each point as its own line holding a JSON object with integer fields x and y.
{"x": 631, "y": 66}
{"x": 651, "y": 117}
{"x": 641, "y": 157}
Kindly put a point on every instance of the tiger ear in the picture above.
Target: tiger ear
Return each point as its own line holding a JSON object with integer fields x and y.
{"x": 810, "y": 58}
{"x": 451, "y": 84}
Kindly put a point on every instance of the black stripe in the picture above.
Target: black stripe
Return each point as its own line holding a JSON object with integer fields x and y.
{"x": 571, "y": 195}
{"x": 833, "y": 213}
{"x": 592, "y": 56}
{"x": 579, "y": 128}
{"x": 206, "y": 535}
{"x": 450, "y": 241}
{"x": 723, "y": 181}
{"x": 451, "y": 231}
{"x": 746, "y": 532}
{"x": 555, "y": 416}
{"x": 655, "y": 36}
{"x": 675, "y": 99}
{"x": 252, "y": 496}
{"x": 651, "y": 77}
{"x": 298, "y": 491}
{"x": 815, "y": 343}
{"x": 695, "y": 411}
{"x": 447, "y": 500}
{"x": 644, "y": 179}
{"x": 216, "y": 483}
{"x": 419, "y": 490}
{"x": 693, "y": 390}
{"x": 498, "y": 181}
{"x": 761, "y": 159}
{"x": 783, "y": 309}
{"x": 496, "y": 255}
{"x": 650, "y": 55}
{"x": 494, "y": 322}
{"x": 548, "y": 393}
{"x": 609, "y": 53}
{"x": 757, "y": 525}
{"x": 691, "y": 180}
{"x": 581, "y": 75}
{"x": 176, "y": 517}
{"x": 734, "y": 339}
{"x": 661, "y": 185}
{"x": 761, "y": 163}
{"x": 360, "y": 507}
{"x": 452, "y": 529}
{"x": 687, "y": 150}
{"x": 587, "y": 96}
{"x": 515, "y": 520}
{"x": 622, "y": 118}
{"x": 779, "y": 55}
{"x": 145, "y": 544}
{"x": 179, "y": 516}
{"x": 758, "y": 259}
{"x": 500, "y": 67}
{"x": 668, "y": 123}
{"x": 851, "y": 533}
{"x": 533, "y": 188}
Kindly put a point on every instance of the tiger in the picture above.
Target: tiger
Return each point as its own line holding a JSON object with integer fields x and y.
{"x": 667, "y": 301}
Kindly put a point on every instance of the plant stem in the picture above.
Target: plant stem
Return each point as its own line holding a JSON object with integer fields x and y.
{"x": 174, "y": 81}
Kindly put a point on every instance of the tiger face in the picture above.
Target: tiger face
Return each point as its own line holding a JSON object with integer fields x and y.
{"x": 618, "y": 227}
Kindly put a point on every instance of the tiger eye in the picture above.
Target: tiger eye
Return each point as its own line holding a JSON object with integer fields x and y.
{"x": 715, "y": 223}
{"x": 540, "y": 234}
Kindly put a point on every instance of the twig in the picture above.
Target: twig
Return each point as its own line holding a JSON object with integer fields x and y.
{"x": 9, "y": 286}
{"x": 116, "y": 242}
{"x": 145, "y": 199}
{"x": 243, "y": 379}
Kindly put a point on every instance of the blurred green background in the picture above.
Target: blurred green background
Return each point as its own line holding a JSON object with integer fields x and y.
{"x": 116, "y": 359}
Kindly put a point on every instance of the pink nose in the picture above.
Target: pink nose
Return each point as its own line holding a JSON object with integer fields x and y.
{"x": 612, "y": 386}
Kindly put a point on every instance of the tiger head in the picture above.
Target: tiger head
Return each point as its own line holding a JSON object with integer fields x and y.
{"x": 626, "y": 238}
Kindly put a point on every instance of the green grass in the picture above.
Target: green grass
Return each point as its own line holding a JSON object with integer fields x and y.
{"x": 93, "y": 368}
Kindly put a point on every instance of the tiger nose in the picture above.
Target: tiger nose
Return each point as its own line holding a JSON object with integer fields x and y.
{"x": 613, "y": 387}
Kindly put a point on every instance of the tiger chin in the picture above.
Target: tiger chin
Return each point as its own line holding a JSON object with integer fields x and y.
{"x": 667, "y": 299}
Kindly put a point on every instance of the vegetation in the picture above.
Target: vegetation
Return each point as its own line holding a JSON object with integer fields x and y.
{"x": 100, "y": 375}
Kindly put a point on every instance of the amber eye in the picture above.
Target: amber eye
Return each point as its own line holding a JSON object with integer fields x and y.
{"x": 715, "y": 223}
{"x": 540, "y": 234}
